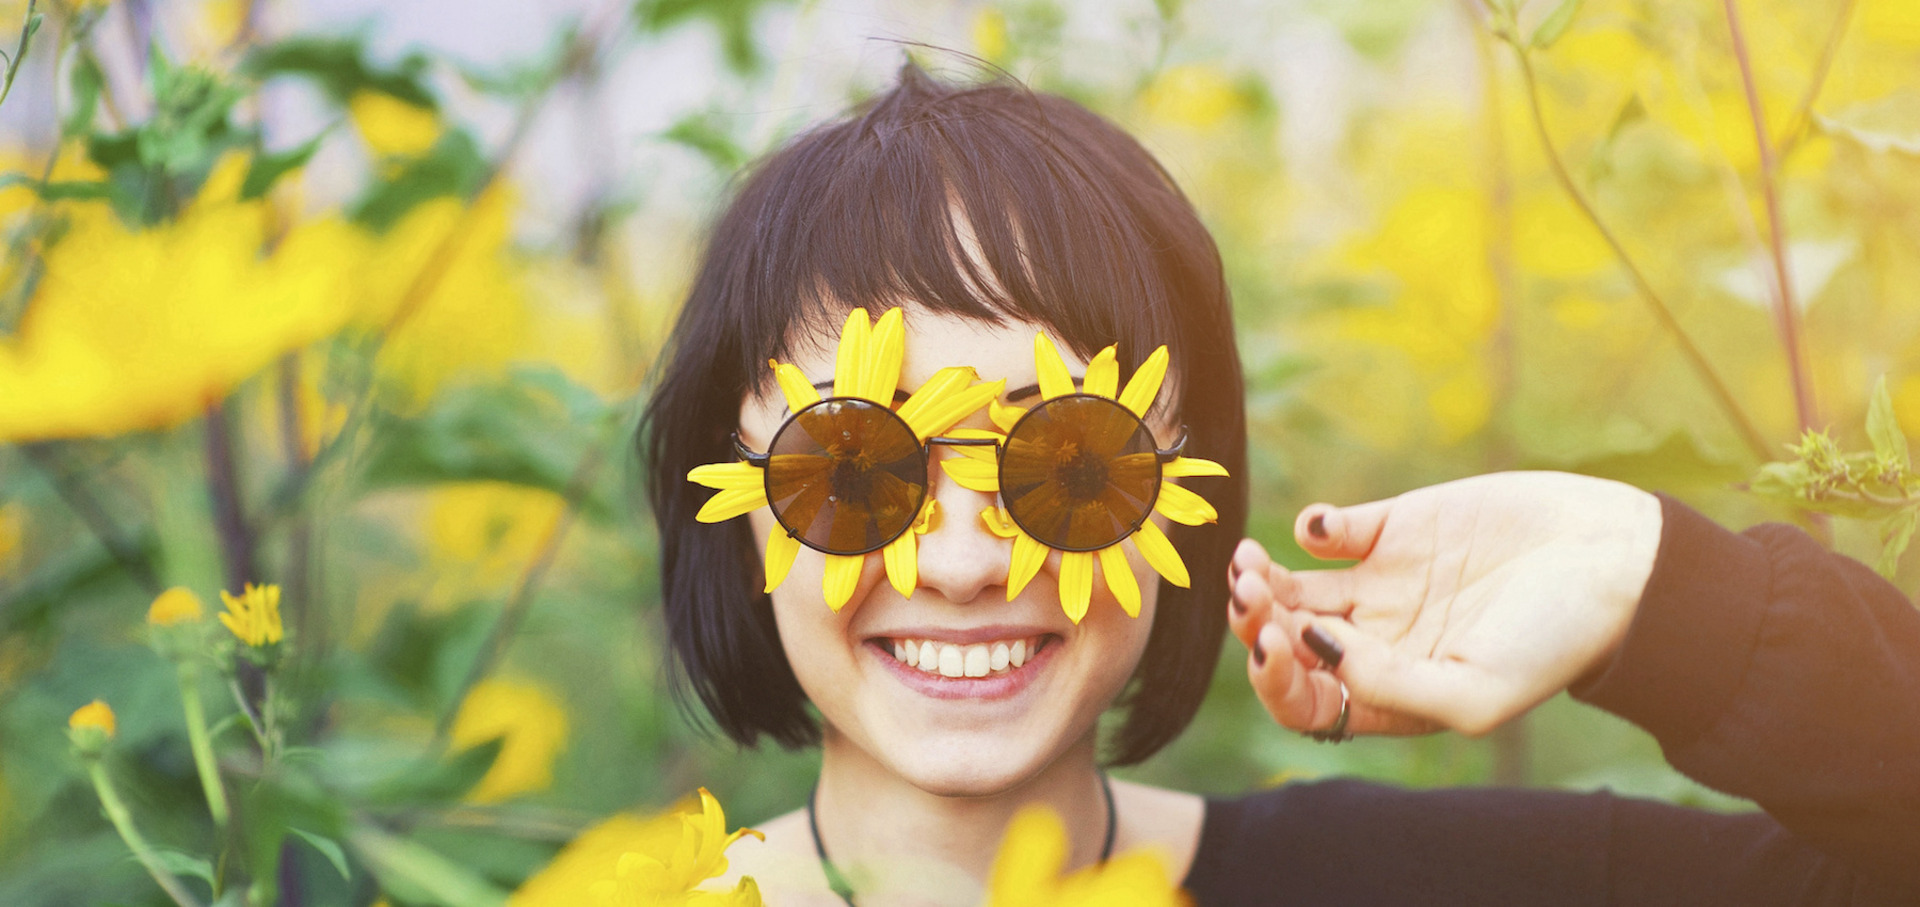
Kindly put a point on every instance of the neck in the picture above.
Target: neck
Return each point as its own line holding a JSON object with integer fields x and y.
{"x": 870, "y": 817}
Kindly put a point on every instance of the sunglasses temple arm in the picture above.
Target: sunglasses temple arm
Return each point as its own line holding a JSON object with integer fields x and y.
{"x": 747, "y": 454}
{"x": 1171, "y": 454}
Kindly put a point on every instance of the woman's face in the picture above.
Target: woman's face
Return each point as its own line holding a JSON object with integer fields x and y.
{"x": 955, "y": 736}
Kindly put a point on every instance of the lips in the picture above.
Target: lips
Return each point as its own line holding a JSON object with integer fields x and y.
{"x": 980, "y": 667}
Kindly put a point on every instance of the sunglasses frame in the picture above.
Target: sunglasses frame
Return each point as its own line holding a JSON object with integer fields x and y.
{"x": 1162, "y": 456}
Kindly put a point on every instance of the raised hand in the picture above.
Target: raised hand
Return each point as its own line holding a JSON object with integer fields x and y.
{"x": 1472, "y": 602}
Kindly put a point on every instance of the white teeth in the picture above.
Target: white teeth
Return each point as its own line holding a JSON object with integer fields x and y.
{"x": 975, "y": 660}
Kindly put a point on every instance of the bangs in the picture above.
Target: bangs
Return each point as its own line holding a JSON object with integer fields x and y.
{"x": 990, "y": 202}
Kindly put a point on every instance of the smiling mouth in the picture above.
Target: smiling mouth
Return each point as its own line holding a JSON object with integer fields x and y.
{"x": 982, "y": 659}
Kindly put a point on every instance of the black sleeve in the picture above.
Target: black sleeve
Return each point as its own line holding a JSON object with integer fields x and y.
{"x": 1765, "y": 666}
{"x": 1772, "y": 669}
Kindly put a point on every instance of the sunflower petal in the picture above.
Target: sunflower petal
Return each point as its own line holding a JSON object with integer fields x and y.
{"x": 731, "y": 503}
{"x": 941, "y": 414}
{"x": 728, "y": 476}
{"x": 1028, "y": 555}
{"x": 852, "y": 354}
{"x": 1160, "y": 553}
{"x": 1076, "y": 583}
{"x": 781, "y": 548}
{"x": 884, "y": 350}
{"x": 843, "y": 573}
{"x": 929, "y": 517}
{"x": 1119, "y": 576}
{"x": 1184, "y": 467}
{"x": 943, "y": 382}
{"x": 800, "y": 392}
{"x": 1055, "y": 380}
{"x": 1005, "y": 417}
{"x": 1145, "y": 383}
{"x": 903, "y": 564}
{"x": 1103, "y": 374}
{"x": 987, "y": 454}
{"x": 999, "y": 523}
{"x": 973, "y": 475}
{"x": 1181, "y": 505}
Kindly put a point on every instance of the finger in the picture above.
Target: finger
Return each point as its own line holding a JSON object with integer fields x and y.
{"x": 1307, "y": 699}
{"x": 1447, "y": 692}
{"x": 1250, "y": 606}
{"x": 1321, "y": 591}
{"x": 1341, "y": 533}
{"x": 1248, "y": 555}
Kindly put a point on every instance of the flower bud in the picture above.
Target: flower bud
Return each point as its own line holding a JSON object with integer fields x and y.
{"x": 90, "y": 727}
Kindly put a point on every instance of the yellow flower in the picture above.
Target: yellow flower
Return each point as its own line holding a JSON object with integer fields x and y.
{"x": 392, "y": 127}
{"x": 175, "y": 606}
{"x": 95, "y": 715}
{"x": 1026, "y": 873}
{"x": 867, "y": 366}
{"x": 978, "y": 469}
{"x": 533, "y": 726}
{"x": 254, "y": 617}
{"x": 1194, "y": 96}
{"x": 481, "y": 536}
{"x": 139, "y": 329}
{"x": 629, "y": 861}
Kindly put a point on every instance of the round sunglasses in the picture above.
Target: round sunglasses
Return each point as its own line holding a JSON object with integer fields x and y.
{"x": 847, "y": 476}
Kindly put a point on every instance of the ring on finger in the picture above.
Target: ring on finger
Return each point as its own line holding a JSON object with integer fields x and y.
{"x": 1338, "y": 732}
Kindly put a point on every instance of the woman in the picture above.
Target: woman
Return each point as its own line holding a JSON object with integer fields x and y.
{"x": 988, "y": 216}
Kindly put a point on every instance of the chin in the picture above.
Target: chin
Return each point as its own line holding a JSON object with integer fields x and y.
{"x": 965, "y": 764}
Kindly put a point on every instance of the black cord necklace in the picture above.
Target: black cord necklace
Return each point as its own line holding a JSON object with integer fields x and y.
{"x": 838, "y": 882}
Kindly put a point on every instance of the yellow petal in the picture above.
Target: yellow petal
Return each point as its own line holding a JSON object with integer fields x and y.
{"x": 999, "y": 523}
{"x": 1005, "y": 417}
{"x": 929, "y": 517}
{"x": 1076, "y": 583}
{"x": 1183, "y": 506}
{"x": 1145, "y": 383}
{"x": 884, "y": 350}
{"x": 941, "y": 414}
{"x": 1160, "y": 553}
{"x": 973, "y": 475}
{"x": 729, "y": 476}
{"x": 1183, "y": 467}
{"x": 781, "y": 548}
{"x": 800, "y": 392}
{"x": 988, "y": 454}
{"x": 843, "y": 573}
{"x": 1103, "y": 374}
{"x": 1119, "y": 576}
{"x": 1055, "y": 380}
{"x": 944, "y": 382}
{"x": 1028, "y": 555}
{"x": 903, "y": 564}
{"x": 852, "y": 354}
{"x": 731, "y": 503}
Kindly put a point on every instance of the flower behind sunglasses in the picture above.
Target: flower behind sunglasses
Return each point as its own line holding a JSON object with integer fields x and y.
{"x": 866, "y": 367}
{"x": 984, "y": 469}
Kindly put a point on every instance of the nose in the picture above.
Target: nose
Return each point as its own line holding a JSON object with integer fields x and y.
{"x": 959, "y": 558}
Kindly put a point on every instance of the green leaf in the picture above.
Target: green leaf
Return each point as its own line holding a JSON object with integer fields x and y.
{"x": 1883, "y": 429}
{"x": 733, "y": 19}
{"x": 328, "y": 848}
{"x": 86, "y": 82}
{"x": 1555, "y": 24}
{"x": 268, "y": 167}
{"x": 453, "y": 166}
{"x": 706, "y": 133}
{"x": 341, "y": 67}
{"x": 435, "y": 781}
{"x": 414, "y": 873}
{"x": 1895, "y": 534}
{"x": 1887, "y": 125}
{"x": 184, "y": 864}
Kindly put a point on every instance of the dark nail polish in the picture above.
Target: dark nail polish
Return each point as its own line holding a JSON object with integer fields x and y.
{"x": 1239, "y": 607}
{"x": 1323, "y": 645}
{"x": 1317, "y": 527}
{"x": 1259, "y": 654}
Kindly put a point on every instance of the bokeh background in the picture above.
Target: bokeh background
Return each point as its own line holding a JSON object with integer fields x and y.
{"x": 359, "y": 299}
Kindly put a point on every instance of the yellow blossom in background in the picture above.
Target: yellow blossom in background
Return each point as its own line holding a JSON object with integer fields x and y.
{"x": 140, "y": 329}
{"x": 1026, "y": 872}
{"x": 176, "y": 606}
{"x": 482, "y": 535}
{"x": 627, "y": 861}
{"x": 990, "y": 34}
{"x": 392, "y": 127}
{"x": 533, "y": 726}
{"x": 95, "y": 715}
{"x": 1195, "y": 96}
{"x": 254, "y": 617}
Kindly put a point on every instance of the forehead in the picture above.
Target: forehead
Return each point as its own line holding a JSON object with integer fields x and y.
{"x": 936, "y": 340}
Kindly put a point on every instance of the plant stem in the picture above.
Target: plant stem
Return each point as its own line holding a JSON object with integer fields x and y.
{"x": 202, "y": 743}
{"x": 1786, "y": 311}
{"x": 1803, "y": 112}
{"x": 1755, "y": 442}
{"x": 89, "y": 510}
{"x": 223, "y": 486}
{"x": 123, "y": 823}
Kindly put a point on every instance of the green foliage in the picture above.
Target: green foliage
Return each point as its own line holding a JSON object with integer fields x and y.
{"x": 1868, "y": 485}
{"x": 342, "y": 67}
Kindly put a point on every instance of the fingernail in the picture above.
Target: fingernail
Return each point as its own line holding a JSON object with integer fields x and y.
{"x": 1323, "y": 645}
{"x": 1259, "y": 653}
{"x": 1317, "y": 527}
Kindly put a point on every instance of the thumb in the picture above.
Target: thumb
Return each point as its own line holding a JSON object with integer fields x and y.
{"x": 1453, "y": 693}
{"x": 1341, "y": 533}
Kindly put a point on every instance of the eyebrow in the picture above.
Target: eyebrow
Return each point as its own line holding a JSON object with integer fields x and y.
{"x": 1017, "y": 394}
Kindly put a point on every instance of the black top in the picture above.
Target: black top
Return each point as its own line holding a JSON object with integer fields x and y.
{"x": 1766, "y": 667}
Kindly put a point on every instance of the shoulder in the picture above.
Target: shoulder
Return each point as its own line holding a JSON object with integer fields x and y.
{"x": 783, "y": 865}
{"x": 1154, "y": 818}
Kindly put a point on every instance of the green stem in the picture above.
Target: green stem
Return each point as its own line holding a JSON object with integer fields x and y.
{"x": 123, "y": 823}
{"x": 254, "y": 721}
{"x": 202, "y": 743}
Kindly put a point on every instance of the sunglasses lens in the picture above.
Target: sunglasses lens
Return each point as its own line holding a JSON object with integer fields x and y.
{"x": 846, "y": 476}
{"x": 1079, "y": 472}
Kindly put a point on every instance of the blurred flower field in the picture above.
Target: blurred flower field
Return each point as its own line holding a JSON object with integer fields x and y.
{"x": 307, "y": 315}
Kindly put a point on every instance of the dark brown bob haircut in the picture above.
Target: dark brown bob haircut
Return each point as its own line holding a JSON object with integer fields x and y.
{"x": 1078, "y": 229}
